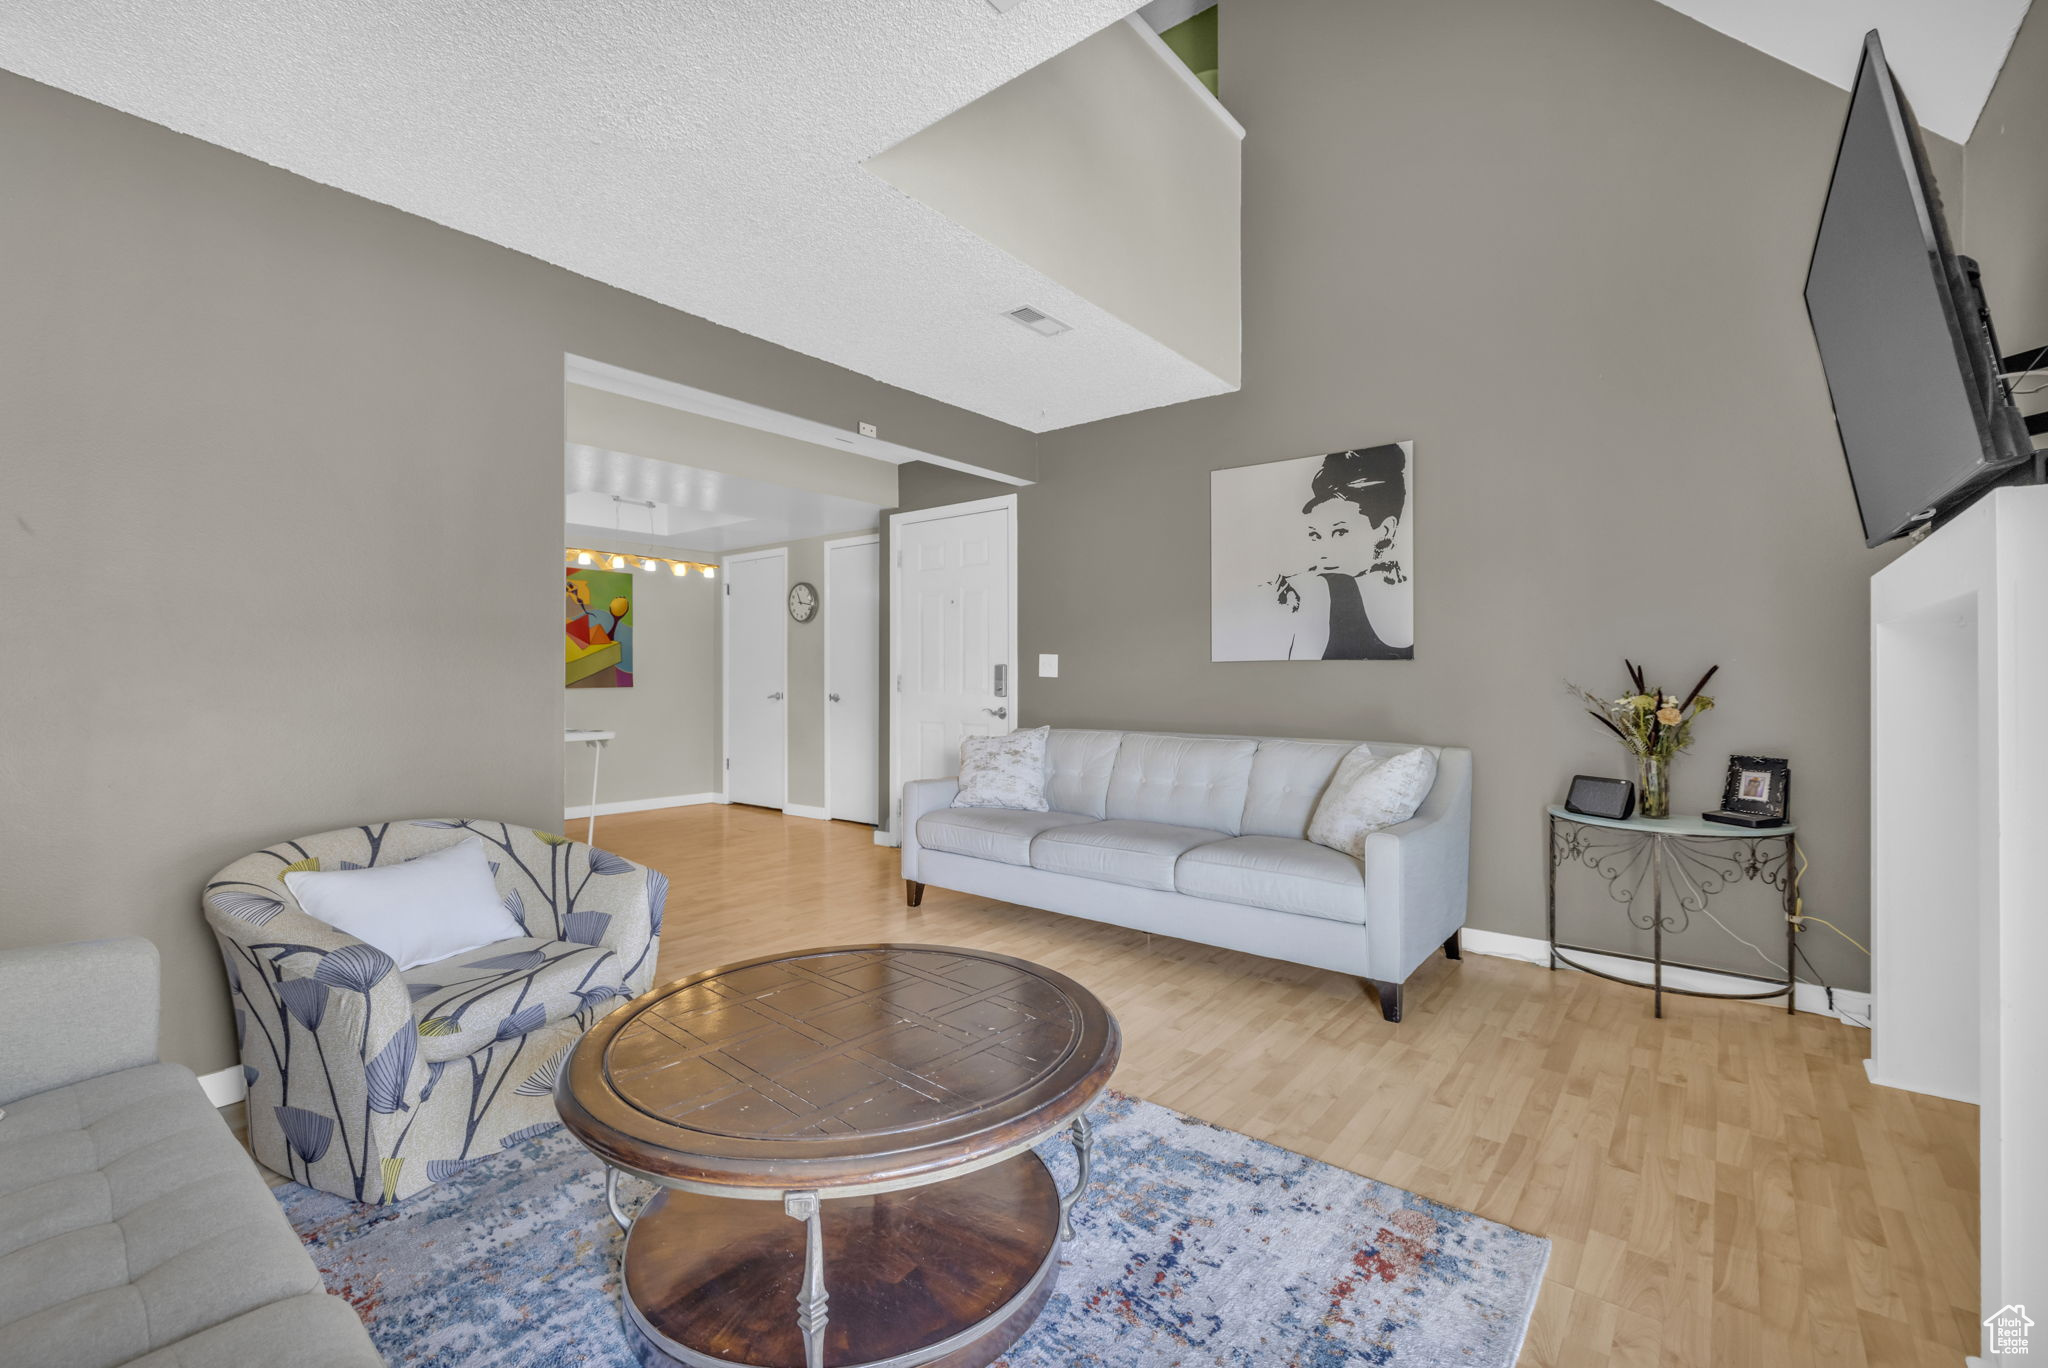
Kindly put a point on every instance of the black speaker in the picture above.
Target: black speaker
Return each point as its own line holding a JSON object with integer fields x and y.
{"x": 1614, "y": 799}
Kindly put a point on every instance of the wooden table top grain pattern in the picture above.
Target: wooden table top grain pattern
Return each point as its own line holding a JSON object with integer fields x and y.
{"x": 846, "y": 1066}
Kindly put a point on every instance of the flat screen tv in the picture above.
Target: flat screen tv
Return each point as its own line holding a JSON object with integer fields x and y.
{"x": 1927, "y": 421}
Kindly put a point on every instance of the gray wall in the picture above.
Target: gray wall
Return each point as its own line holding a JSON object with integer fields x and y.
{"x": 249, "y": 424}
{"x": 2005, "y": 224}
{"x": 670, "y": 740}
{"x": 1561, "y": 247}
{"x": 281, "y": 474}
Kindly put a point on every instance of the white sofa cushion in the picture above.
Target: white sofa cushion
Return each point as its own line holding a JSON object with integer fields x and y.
{"x": 1001, "y": 834}
{"x": 1196, "y": 781}
{"x": 1006, "y": 771}
{"x": 1369, "y": 792}
{"x": 1138, "y": 853}
{"x": 1077, "y": 767}
{"x": 1287, "y": 780}
{"x": 1276, "y": 872}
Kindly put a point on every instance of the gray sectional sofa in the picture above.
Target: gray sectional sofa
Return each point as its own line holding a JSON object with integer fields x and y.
{"x": 134, "y": 1228}
{"x": 1204, "y": 838}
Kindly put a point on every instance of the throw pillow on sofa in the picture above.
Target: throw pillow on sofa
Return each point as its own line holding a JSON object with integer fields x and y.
{"x": 1004, "y": 771}
{"x": 1369, "y": 792}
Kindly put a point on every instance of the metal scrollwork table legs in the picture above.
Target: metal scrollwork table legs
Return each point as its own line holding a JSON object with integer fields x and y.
{"x": 1682, "y": 864}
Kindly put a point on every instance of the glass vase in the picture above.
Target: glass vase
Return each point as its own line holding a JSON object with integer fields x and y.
{"x": 1653, "y": 786}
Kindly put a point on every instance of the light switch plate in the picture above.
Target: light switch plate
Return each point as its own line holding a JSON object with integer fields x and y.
{"x": 1048, "y": 667}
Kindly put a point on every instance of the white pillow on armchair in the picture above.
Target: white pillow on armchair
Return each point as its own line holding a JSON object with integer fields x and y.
{"x": 419, "y": 911}
{"x": 1004, "y": 771}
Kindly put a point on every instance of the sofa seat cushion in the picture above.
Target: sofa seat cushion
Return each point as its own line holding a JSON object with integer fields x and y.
{"x": 131, "y": 1219}
{"x": 1141, "y": 854}
{"x": 1276, "y": 872}
{"x": 512, "y": 988}
{"x": 1001, "y": 834}
{"x": 322, "y": 1332}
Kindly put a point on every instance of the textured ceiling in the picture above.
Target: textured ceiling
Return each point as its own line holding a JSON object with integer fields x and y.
{"x": 1946, "y": 53}
{"x": 704, "y": 154}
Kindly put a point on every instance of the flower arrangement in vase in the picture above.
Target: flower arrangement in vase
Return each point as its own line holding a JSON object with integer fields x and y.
{"x": 1653, "y": 726}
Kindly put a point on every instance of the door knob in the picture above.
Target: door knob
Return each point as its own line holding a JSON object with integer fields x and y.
{"x": 833, "y": 697}
{"x": 775, "y": 698}
{"x": 997, "y": 712}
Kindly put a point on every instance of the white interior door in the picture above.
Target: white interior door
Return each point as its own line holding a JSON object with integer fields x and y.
{"x": 853, "y": 670}
{"x": 954, "y": 630}
{"x": 756, "y": 678}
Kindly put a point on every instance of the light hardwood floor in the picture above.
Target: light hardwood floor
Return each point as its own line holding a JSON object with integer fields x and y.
{"x": 1722, "y": 1187}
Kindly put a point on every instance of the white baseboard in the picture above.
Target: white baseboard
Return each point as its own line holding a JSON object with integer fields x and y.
{"x": 1852, "y": 1007}
{"x": 816, "y": 814}
{"x": 1875, "y": 1075}
{"x": 641, "y": 805}
{"x": 887, "y": 838}
{"x": 224, "y": 1088}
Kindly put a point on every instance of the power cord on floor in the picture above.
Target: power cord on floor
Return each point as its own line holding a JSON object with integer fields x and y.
{"x": 1798, "y": 917}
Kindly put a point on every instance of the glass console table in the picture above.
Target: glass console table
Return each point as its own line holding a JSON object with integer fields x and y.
{"x": 1680, "y": 864}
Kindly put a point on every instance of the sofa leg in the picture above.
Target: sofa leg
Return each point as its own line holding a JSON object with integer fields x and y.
{"x": 913, "y": 892}
{"x": 1390, "y": 999}
{"x": 1451, "y": 948}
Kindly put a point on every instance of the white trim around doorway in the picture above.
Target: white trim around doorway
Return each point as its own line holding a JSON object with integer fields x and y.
{"x": 891, "y": 813}
{"x": 725, "y": 565}
{"x": 825, "y": 694}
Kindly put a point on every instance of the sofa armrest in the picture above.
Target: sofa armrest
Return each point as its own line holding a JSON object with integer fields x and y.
{"x": 919, "y": 797}
{"x": 1417, "y": 873}
{"x": 73, "y": 1012}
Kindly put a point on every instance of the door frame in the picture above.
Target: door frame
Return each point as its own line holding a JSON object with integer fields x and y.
{"x": 725, "y": 564}
{"x": 892, "y": 805}
{"x": 825, "y": 699}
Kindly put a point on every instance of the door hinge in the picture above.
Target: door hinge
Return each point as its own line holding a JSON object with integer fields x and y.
{"x": 728, "y": 762}
{"x": 899, "y": 683}
{"x": 899, "y": 558}
{"x": 728, "y": 588}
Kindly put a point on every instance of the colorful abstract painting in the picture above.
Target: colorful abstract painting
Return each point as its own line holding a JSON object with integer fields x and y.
{"x": 598, "y": 629}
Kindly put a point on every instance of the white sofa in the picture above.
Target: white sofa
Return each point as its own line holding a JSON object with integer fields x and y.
{"x": 1203, "y": 837}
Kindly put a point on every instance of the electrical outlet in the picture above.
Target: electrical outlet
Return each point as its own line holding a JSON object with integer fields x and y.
{"x": 867, "y": 429}
{"x": 1048, "y": 667}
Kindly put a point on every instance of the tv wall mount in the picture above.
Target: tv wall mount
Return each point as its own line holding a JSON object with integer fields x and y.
{"x": 2027, "y": 363}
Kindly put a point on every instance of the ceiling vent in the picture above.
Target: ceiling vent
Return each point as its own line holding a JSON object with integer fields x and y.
{"x": 1038, "y": 322}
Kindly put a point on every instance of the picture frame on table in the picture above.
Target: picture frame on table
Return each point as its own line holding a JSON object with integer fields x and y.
{"x": 1758, "y": 786}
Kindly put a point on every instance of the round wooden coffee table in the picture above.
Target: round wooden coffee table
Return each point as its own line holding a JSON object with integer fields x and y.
{"x": 843, "y": 1138}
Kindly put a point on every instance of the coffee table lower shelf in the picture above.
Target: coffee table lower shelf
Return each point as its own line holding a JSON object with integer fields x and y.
{"x": 947, "y": 1275}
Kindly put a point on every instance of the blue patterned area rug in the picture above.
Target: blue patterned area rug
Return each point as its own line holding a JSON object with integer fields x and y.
{"x": 1193, "y": 1246}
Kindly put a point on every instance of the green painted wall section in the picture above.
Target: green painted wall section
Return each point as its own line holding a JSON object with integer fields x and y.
{"x": 1194, "y": 42}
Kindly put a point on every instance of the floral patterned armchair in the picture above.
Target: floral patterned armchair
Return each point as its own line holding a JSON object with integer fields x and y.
{"x": 373, "y": 1083}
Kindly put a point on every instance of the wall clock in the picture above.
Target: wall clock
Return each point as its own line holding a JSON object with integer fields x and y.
{"x": 803, "y": 601}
